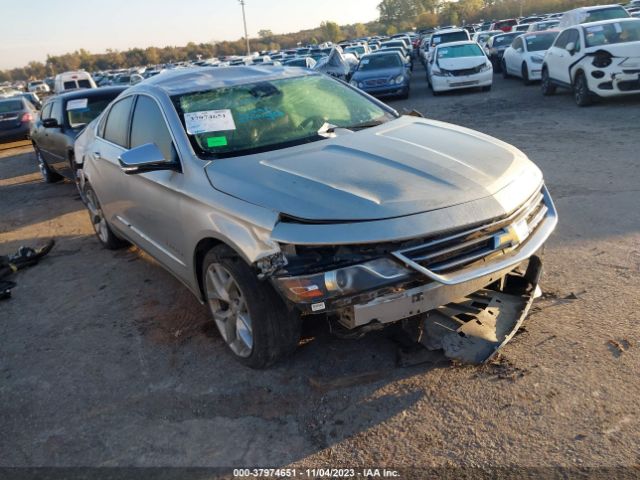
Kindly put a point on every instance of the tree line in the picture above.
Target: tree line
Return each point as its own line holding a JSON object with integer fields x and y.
{"x": 395, "y": 16}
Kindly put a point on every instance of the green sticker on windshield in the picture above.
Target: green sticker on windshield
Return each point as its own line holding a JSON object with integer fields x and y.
{"x": 216, "y": 142}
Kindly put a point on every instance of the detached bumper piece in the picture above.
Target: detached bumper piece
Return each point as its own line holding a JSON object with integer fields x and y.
{"x": 473, "y": 329}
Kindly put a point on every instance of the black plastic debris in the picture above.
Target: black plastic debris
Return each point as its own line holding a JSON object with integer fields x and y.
{"x": 23, "y": 258}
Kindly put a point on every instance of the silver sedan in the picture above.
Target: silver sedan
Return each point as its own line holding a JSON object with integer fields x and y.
{"x": 277, "y": 193}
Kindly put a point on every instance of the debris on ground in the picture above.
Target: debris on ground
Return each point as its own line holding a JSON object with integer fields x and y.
{"x": 23, "y": 258}
{"x": 327, "y": 384}
{"x": 619, "y": 347}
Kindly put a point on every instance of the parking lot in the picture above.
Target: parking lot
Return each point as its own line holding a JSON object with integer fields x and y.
{"x": 107, "y": 360}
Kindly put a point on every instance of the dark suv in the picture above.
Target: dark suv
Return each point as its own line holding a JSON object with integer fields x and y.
{"x": 61, "y": 119}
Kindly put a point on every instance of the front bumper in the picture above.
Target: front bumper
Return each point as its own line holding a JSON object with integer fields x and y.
{"x": 442, "y": 84}
{"x": 388, "y": 90}
{"x": 615, "y": 82}
{"x": 445, "y": 268}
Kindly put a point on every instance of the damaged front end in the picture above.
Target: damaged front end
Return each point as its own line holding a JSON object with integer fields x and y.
{"x": 470, "y": 289}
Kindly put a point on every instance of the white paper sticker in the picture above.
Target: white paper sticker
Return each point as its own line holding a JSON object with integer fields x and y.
{"x": 77, "y": 104}
{"x": 617, "y": 27}
{"x": 597, "y": 28}
{"x": 531, "y": 37}
{"x": 365, "y": 61}
{"x": 316, "y": 307}
{"x": 209, "y": 121}
{"x": 436, "y": 40}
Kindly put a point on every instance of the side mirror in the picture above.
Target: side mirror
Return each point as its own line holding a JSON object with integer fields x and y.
{"x": 50, "y": 123}
{"x": 145, "y": 158}
{"x": 519, "y": 50}
{"x": 571, "y": 48}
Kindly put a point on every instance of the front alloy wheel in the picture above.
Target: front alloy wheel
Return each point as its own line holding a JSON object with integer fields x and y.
{"x": 229, "y": 309}
{"x": 581, "y": 93}
{"x": 99, "y": 222}
{"x": 47, "y": 175}
{"x": 546, "y": 86}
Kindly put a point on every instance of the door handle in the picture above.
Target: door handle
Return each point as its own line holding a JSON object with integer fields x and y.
{"x": 97, "y": 154}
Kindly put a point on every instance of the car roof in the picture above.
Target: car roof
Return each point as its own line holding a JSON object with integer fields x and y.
{"x": 606, "y": 22}
{"x": 449, "y": 30}
{"x": 460, "y": 42}
{"x": 90, "y": 92}
{"x": 195, "y": 79}
{"x": 594, "y": 7}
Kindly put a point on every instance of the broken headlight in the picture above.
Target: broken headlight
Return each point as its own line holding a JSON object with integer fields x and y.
{"x": 343, "y": 281}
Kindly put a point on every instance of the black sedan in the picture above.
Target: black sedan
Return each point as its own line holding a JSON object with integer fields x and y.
{"x": 496, "y": 46}
{"x": 16, "y": 118}
{"x": 61, "y": 119}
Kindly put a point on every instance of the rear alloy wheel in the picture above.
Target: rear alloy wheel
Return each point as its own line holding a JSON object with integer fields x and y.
{"x": 581, "y": 93}
{"x": 525, "y": 74}
{"x": 545, "y": 84}
{"x": 48, "y": 175}
{"x": 250, "y": 316}
{"x": 99, "y": 222}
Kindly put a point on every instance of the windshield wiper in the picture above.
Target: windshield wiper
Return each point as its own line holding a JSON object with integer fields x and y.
{"x": 359, "y": 126}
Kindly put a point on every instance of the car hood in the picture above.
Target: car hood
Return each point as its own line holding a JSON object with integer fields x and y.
{"x": 630, "y": 50}
{"x": 461, "y": 62}
{"x": 361, "y": 76}
{"x": 403, "y": 167}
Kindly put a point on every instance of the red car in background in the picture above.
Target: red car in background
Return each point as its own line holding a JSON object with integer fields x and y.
{"x": 504, "y": 25}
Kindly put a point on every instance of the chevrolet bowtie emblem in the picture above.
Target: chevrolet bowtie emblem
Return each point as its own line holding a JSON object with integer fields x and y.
{"x": 511, "y": 236}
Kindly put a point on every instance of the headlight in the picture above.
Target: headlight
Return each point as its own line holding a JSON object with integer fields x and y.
{"x": 400, "y": 79}
{"x": 343, "y": 281}
{"x": 439, "y": 72}
{"x": 536, "y": 59}
{"x": 486, "y": 66}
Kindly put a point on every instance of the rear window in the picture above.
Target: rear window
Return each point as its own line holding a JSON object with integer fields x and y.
{"x": 70, "y": 85}
{"x": 609, "y": 13}
{"x": 617, "y": 32}
{"x": 538, "y": 42}
{"x": 10, "y": 106}
{"x": 506, "y": 23}
{"x": 84, "y": 83}
{"x": 501, "y": 41}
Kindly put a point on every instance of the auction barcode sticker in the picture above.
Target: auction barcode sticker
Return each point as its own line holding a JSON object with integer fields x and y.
{"x": 209, "y": 121}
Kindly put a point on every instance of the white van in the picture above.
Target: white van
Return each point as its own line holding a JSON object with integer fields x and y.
{"x": 596, "y": 13}
{"x": 72, "y": 81}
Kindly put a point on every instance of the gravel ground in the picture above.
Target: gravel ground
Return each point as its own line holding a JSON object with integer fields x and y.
{"x": 106, "y": 360}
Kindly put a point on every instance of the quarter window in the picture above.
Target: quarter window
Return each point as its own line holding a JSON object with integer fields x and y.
{"x": 46, "y": 111}
{"x": 117, "y": 125}
{"x": 56, "y": 111}
{"x": 148, "y": 126}
{"x": 563, "y": 39}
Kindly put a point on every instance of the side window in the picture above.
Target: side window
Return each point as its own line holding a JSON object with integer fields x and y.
{"x": 517, "y": 43}
{"x": 56, "y": 111}
{"x": 117, "y": 127}
{"x": 148, "y": 126}
{"x": 103, "y": 122}
{"x": 46, "y": 111}
{"x": 575, "y": 38}
{"x": 562, "y": 39}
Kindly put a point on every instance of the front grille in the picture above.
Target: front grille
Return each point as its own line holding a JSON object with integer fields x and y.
{"x": 629, "y": 85}
{"x": 458, "y": 250}
{"x": 466, "y": 71}
{"x": 635, "y": 70}
{"x": 376, "y": 82}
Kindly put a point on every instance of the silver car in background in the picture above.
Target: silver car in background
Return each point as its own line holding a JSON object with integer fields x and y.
{"x": 276, "y": 193}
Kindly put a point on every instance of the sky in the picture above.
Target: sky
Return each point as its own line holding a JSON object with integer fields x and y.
{"x": 31, "y": 30}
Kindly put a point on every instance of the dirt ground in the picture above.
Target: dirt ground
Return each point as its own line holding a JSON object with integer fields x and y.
{"x": 106, "y": 360}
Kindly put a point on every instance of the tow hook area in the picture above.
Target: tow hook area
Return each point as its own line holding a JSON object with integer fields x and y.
{"x": 473, "y": 329}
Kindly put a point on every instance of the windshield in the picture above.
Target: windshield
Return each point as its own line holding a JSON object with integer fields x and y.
{"x": 609, "y": 13}
{"x": 377, "y": 62}
{"x": 81, "y": 111}
{"x": 618, "y": 32}
{"x": 456, "y": 51}
{"x": 449, "y": 37}
{"x": 10, "y": 106}
{"x": 267, "y": 115}
{"x": 538, "y": 42}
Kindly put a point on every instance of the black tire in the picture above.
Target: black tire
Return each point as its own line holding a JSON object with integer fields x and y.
{"x": 525, "y": 74}
{"x": 105, "y": 235}
{"x": 275, "y": 330}
{"x": 581, "y": 94}
{"x": 545, "y": 84}
{"x": 505, "y": 74}
{"x": 48, "y": 175}
{"x": 486, "y": 88}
